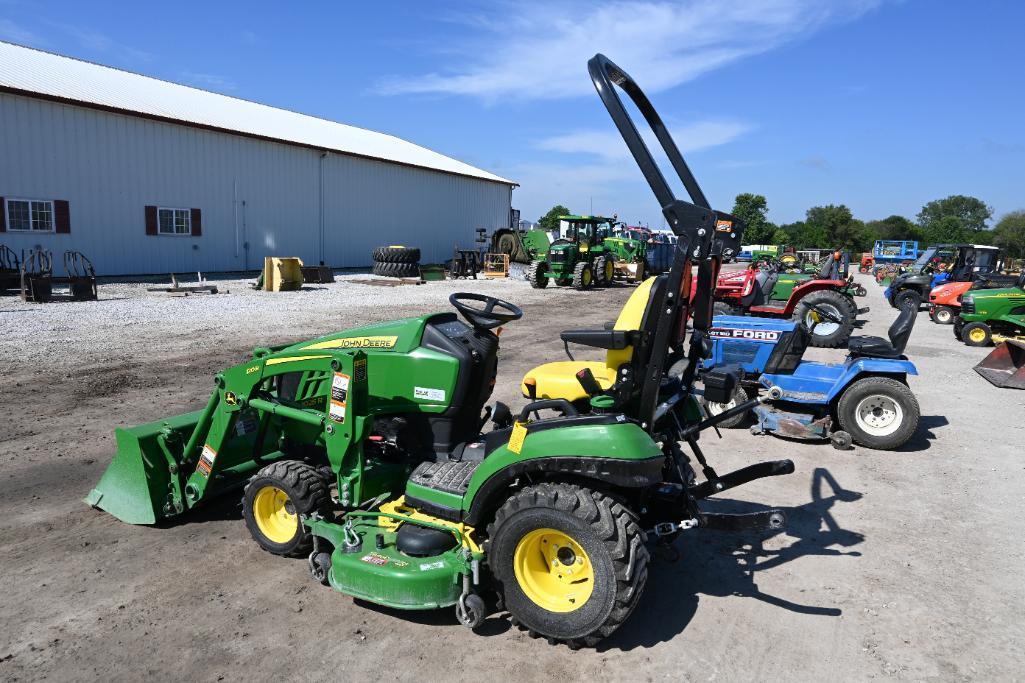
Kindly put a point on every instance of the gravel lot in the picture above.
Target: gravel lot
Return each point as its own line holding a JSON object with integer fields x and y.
{"x": 903, "y": 565}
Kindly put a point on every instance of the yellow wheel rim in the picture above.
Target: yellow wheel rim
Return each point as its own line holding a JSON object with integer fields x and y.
{"x": 553, "y": 570}
{"x": 275, "y": 515}
{"x": 610, "y": 271}
{"x": 977, "y": 334}
{"x": 587, "y": 277}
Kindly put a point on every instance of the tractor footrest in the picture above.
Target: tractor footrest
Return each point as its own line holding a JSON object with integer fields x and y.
{"x": 450, "y": 477}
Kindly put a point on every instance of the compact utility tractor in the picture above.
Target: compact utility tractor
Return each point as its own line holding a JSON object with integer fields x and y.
{"x": 750, "y": 292}
{"x": 366, "y": 451}
{"x": 937, "y": 265}
{"x": 578, "y": 257}
{"x": 628, "y": 249}
{"x": 992, "y": 315}
{"x": 865, "y": 399}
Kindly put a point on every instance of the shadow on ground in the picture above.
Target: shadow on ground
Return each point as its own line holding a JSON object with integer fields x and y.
{"x": 726, "y": 564}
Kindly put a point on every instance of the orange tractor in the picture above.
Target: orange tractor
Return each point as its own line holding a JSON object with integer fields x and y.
{"x": 945, "y": 299}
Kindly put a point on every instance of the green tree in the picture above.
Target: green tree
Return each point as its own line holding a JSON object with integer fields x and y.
{"x": 752, "y": 209}
{"x": 896, "y": 228}
{"x": 836, "y": 227}
{"x": 939, "y": 216}
{"x": 1009, "y": 234}
{"x": 550, "y": 220}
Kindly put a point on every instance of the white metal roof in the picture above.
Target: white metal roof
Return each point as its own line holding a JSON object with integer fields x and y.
{"x": 34, "y": 71}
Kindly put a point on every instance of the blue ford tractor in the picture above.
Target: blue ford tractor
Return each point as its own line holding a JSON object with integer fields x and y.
{"x": 865, "y": 399}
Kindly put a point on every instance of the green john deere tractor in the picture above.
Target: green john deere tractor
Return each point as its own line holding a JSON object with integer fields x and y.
{"x": 578, "y": 257}
{"x": 628, "y": 248}
{"x": 989, "y": 315}
{"x": 368, "y": 451}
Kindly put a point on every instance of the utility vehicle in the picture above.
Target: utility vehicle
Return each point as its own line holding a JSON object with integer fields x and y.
{"x": 578, "y": 257}
{"x": 365, "y": 451}
{"x": 939, "y": 264}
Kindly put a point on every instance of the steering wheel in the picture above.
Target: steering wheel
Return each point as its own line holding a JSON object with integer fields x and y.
{"x": 487, "y": 317}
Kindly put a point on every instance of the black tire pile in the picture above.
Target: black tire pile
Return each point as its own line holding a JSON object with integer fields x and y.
{"x": 397, "y": 262}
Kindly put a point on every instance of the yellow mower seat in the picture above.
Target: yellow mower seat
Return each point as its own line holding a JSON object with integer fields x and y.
{"x": 558, "y": 379}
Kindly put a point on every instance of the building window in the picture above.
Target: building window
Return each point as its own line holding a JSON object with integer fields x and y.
{"x": 30, "y": 215}
{"x": 174, "y": 221}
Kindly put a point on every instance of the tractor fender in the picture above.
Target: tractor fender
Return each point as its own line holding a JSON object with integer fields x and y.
{"x": 871, "y": 367}
{"x": 600, "y": 449}
{"x": 805, "y": 288}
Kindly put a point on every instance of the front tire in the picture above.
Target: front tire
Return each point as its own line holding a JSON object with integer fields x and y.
{"x": 537, "y": 274}
{"x": 275, "y": 499}
{"x": 570, "y": 563}
{"x": 879, "y": 412}
{"x": 944, "y": 315}
{"x": 583, "y": 276}
{"x": 739, "y": 396}
{"x": 977, "y": 334}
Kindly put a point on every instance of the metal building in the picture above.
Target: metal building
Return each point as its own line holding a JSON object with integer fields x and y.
{"x": 147, "y": 176}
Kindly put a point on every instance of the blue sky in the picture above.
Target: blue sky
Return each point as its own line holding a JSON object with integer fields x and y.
{"x": 881, "y": 105}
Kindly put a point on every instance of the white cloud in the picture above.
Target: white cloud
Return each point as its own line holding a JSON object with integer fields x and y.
{"x": 208, "y": 81}
{"x": 16, "y": 33}
{"x": 537, "y": 50}
{"x": 609, "y": 144}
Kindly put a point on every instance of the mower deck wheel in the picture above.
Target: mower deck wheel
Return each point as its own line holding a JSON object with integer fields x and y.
{"x": 275, "y": 498}
{"x": 977, "y": 334}
{"x": 570, "y": 563}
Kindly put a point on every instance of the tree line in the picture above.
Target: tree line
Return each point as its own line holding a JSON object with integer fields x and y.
{"x": 957, "y": 218}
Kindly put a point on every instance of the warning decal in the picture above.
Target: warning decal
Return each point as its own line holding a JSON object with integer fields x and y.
{"x": 206, "y": 460}
{"x": 516, "y": 439}
{"x": 339, "y": 396}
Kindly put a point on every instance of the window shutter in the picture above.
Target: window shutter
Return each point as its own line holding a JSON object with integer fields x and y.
{"x": 197, "y": 223}
{"x": 61, "y": 216}
{"x": 3, "y": 215}
{"x": 151, "y": 220}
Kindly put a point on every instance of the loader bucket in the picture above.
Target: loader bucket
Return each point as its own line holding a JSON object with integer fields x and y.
{"x": 1005, "y": 366}
{"x": 137, "y": 486}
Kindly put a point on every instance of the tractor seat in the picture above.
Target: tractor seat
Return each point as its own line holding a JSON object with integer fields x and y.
{"x": 877, "y": 347}
{"x": 558, "y": 379}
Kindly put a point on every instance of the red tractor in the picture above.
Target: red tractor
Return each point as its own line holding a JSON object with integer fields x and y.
{"x": 824, "y": 302}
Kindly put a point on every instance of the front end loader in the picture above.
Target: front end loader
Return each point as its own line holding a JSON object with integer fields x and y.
{"x": 373, "y": 452}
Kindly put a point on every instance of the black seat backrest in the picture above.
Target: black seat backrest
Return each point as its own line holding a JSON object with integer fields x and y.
{"x": 900, "y": 330}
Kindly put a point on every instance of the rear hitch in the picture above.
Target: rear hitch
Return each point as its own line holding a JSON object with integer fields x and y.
{"x": 752, "y": 521}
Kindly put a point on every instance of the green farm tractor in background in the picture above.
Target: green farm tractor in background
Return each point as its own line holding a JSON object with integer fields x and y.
{"x": 369, "y": 452}
{"x": 629, "y": 249}
{"x": 578, "y": 257}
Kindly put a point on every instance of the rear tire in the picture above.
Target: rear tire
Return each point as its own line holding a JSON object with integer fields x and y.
{"x": 908, "y": 298}
{"x": 387, "y": 269}
{"x": 879, "y": 412}
{"x": 977, "y": 334}
{"x": 943, "y": 315}
{"x": 536, "y": 274}
{"x": 599, "y": 272}
{"x": 833, "y": 335}
{"x": 274, "y": 500}
{"x": 723, "y": 308}
{"x": 397, "y": 255}
{"x": 601, "y": 541}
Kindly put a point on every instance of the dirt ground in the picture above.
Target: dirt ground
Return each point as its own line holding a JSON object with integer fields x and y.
{"x": 904, "y": 565}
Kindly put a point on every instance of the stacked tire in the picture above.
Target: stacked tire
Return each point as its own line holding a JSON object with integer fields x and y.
{"x": 397, "y": 261}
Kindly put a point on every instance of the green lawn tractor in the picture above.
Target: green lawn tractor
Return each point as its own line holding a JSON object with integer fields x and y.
{"x": 992, "y": 315}
{"x": 578, "y": 258}
{"x": 367, "y": 453}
